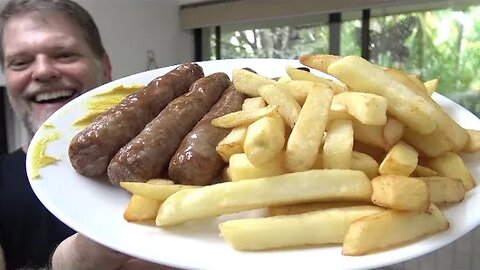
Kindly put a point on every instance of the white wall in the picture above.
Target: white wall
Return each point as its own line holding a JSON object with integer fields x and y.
{"x": 129, "y": 28}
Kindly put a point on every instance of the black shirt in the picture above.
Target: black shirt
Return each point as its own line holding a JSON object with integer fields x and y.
{"x": 29, "y": 233}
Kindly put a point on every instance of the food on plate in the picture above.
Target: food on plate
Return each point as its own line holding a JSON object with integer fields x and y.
{"x": 232, "y": 197}
{"x": 400, "y": 192}
{"x": 303, "y": 75}
{"x": 367, "y": 108}
{"x": 91, "y": 150}
{"x": 403, "y": 103}
{"x": 327, "y": 226}
{"x": 265, "y": 139}
{"x": 240, "y": 167}
{"x": 451, "y": 164}
{"x": 319, "y": 61}
{"x": 431, "y": 86}
{"x": 39, "y": 152}
{"x": 391, "y": 228}
{"x": 444, "y": 190}
{"x": 153, "y": 189}
{"x": 288, "y": 107}
{"x": 248, "y": 82}
{"x": 146, "y": 156}
{"x": 338, "y": 145}
{"x": 243, "y": 117}
{"x": 141, "y": 209}
{"x": 305, "y": 139}
{"x": 360, "y": 157}
{"x": 101, "y": 102}
{"x": 401, "y": 159}
{"x": 363, "y": 162}
{"x": 473, "y": 144}
{"x": 196, "y": 161}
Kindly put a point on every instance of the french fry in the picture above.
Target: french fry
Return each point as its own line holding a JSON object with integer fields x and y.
{"x": 265, "y": 139}
{"x": 300, "y": 208}
{"x": 444, "y": 190}
{"x": 337, "y": 149}
{"x": 314, "y": 228}
{"x": 367, "y": 108}
{"x": 365, "y": 163}
{"x": 375, "y": 152}
{"x": 446, "y": 125}
{"x": 153, "y": 191}
{"x": 248, "y": 82}
{"x": 473, "y": 144}
{"x": 253, "y": 103}
{"x": 422, "y": 171}
{"x": 319, "y": 61}
{"x": 451, "y": 165}
{"x": 239, "y": 118}
{"x": 141, "y": 209}
{"x": 302, "y": 75}
{"x": 231, "y": 197}
{"x": 284, "y": 78}
{"x": 232, "y": 143}
{"x": 288, "y": 107}
{"x": 338, "y": 112}
{"x": 392, "y": 132}
{"x": 404, "y": 78}
{"x": 402, "y": 159}
{"x": 400, "y": 192}
{"x": 306, "y": 137}
{"x": 403, "y": 103}
{"x": 430, "y": 145}
{"x": 240, "y": 168}
{"x": 299, "y": 89}
{"x": 391, "y": 228}
{"x": 369, "y": 134}
{"x": 431, "y": 86}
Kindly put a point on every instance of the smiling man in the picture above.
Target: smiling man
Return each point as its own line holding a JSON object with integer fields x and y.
{"x": 51, "y": 52}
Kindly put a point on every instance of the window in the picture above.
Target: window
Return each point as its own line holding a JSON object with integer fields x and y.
{"x": 441, "y": 43}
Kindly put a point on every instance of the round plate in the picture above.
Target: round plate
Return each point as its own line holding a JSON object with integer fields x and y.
{"x": 95, "y": 208}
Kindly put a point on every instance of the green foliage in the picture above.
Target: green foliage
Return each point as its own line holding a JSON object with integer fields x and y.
{"x": 443, "y": 44}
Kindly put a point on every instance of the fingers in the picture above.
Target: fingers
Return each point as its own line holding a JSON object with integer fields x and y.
{"x": 81, "y": 253}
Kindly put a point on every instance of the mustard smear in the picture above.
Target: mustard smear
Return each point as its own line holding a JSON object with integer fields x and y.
{"x": 39, "y": 158}
{"x": 101, "y": 102}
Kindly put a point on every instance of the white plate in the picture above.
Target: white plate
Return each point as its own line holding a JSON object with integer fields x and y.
{"x": 95, "y": 208}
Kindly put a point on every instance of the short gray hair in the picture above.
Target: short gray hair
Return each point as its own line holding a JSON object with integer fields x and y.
{"x": 72, "y": 11}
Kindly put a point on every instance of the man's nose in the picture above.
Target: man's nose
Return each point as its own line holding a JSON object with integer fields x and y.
{"x": 44, "y": 69}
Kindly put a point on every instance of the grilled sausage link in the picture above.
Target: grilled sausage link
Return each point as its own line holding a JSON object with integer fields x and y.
{"x": 146, "y": 155}
{"x": 91, "y": 150}
{"x": 196, "y": 162}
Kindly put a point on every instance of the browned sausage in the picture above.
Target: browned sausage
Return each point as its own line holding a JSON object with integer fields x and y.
{"x": 196, "y": 161}
{"x": 92, "y": 149}
{"x": 147, "y": 154}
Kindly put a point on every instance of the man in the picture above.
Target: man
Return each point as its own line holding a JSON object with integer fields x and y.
{"x": 51, "y": 53}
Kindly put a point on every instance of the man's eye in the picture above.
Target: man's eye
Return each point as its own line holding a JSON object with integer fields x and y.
{"x": 66, "y": 56}
{"x": 18, "y": 64}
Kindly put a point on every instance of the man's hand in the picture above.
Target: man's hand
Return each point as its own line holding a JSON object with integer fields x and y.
{"x": 79, "y": 252}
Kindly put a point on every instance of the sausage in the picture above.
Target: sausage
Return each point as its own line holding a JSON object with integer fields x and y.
{"x": 91, "y": 150}
{"x": 196, "y": 162}
{"x": 146, "y": 155}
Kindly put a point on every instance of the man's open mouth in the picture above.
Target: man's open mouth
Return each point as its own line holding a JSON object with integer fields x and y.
{"x": 52, "y": 97}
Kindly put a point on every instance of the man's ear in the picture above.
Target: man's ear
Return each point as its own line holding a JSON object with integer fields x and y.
{"x": 107, "y": 68}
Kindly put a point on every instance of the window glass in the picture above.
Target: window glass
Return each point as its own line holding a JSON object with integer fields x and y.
{"x": 443, "y": 44}
{"x": 351, "y": 38}
{"x": 287, "y": 42}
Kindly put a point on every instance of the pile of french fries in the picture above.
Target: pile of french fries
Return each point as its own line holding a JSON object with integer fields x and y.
{"x": 364, "y": 161}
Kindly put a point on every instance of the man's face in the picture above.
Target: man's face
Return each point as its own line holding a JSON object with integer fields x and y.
{"x": 47, "y": 64}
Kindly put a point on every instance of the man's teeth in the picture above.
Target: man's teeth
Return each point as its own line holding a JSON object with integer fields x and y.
{"x": 53, "y": 95}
